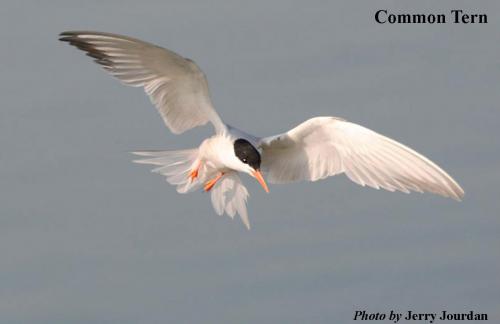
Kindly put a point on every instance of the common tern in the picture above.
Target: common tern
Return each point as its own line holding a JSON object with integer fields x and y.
{"x": 315, "y": 149}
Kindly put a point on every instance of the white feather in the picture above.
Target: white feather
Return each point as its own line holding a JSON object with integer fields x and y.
{"x": 175, "y": 166}
{"x": 325, "y": 146}
{"x": 229, "y": 196}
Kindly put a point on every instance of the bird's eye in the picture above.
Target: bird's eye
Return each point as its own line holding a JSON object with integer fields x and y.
{"x": 245, "y": 160}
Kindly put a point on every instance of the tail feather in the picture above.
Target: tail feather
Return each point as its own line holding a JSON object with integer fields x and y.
{"x": 174, "y": 165}
{"x": 228, "y": 196}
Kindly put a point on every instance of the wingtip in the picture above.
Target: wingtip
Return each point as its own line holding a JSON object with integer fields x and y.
{"x": 139, "y": 161}
{"x": 458, "y": 193}
{"x": 459, "y": 197}
{"x": 66, "y": 36}
{"x": 72, "y": 35}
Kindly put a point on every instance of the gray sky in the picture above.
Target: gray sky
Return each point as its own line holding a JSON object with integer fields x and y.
{"x": 88, "y": 237}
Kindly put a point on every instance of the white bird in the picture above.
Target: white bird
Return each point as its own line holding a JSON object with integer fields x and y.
{"x": 318, "y": 148}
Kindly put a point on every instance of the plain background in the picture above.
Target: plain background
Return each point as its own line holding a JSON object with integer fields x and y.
{"x": 88, "y": 237}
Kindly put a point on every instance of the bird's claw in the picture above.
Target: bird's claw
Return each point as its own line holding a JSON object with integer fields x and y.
{"x": 194, "y": 172}
{"x": 211, "y": 183}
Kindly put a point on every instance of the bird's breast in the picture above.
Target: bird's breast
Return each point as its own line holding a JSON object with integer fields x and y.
{"x": 218, "y": 151}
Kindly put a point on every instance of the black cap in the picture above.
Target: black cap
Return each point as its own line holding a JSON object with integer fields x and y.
{"x": 247, "y": 153}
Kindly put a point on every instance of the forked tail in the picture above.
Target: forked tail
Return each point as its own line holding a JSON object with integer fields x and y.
{"x": 228, "y": 195}
{"x": 176, "y": 166}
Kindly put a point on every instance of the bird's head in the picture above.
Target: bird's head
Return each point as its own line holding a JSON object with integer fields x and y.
{"x": 250, "y": 158}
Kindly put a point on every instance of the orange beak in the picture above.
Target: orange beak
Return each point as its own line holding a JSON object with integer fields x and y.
{"x": 260, "y": 179}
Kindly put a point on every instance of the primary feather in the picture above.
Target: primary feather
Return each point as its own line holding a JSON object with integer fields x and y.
{"x": 176, "y": 85}
{"x": 326, "y": 146}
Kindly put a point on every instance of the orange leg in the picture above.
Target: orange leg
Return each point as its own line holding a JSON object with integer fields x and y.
{"x": 194, "y": 172}
{"x": 211, "y": 183}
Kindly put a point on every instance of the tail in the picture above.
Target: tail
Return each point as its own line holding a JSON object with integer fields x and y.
{"x": 174, "y": 165}
{"x": 229, "y": 195}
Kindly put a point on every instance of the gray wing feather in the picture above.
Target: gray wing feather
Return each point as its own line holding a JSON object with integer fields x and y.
{"x": 176, "y": 85}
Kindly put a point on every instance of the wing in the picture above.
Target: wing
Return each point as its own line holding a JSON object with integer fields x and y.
{"x": 326, "y": 146}
{"x": 175, "y": 85}
{"x": 229, "y": 196}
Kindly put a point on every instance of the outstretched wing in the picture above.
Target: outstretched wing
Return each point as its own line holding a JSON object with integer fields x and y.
{"x": 326, "y": 146}
{"x": 175, "y": 85}
{"x": 229, "y": 196}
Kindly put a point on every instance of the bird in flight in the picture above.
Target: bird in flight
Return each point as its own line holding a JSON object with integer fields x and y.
{"x": 315, "y": 149}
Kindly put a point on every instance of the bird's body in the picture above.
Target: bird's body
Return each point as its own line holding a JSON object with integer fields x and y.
{"x": 317, "y": 148}
{"x": 218, "y": 151}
